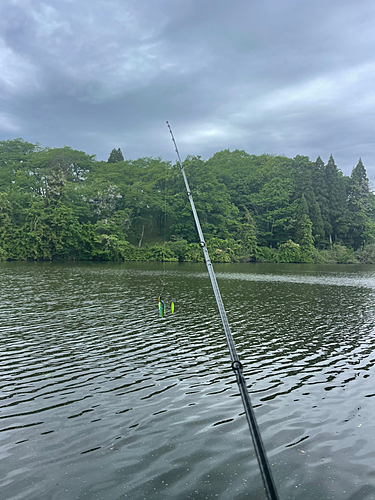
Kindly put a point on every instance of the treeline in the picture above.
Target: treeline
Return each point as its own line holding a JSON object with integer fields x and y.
{"x": 63, "y": 204}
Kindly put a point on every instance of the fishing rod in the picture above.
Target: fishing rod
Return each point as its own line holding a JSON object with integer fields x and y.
{"x": 237, "y": 367}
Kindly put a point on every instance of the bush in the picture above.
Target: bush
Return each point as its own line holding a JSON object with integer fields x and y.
{"x": 3, "y": 254}
{"x": 320, "y": 257}
{"x": 266, "y": 254}
{"x": 342, "y": 255}
{"x": 366, "y": 255}
{"x": 289, "y": 252}
{"x": 128, "y": 252}
{"x": 160, "y": 254}
{"x": 220, "y": 256}
{"x": 194, "y": 253}
{"x": 223, "y": 250}
{"x": 179, "y": 248}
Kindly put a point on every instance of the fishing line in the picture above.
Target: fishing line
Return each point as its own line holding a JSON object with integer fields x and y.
{"x": 165, "y": 229}
{"x": 161, "y": 304}
{"x": 237, "y": 367}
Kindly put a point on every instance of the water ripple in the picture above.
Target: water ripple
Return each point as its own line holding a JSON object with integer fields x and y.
{"x": 100, "y": 398}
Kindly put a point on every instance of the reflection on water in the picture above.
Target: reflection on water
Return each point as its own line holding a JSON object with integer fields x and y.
{"x": 100, "y": 398}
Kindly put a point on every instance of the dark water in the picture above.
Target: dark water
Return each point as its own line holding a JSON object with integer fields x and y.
{"x": 101, "y": 399}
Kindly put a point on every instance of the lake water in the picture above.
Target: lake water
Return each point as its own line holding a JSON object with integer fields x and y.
{"x": 102, "y": 399}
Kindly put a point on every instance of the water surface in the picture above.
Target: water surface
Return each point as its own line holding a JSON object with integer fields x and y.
{"x": 101, "y": 399}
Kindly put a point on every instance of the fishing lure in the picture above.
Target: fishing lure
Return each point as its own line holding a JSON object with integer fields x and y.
{"x": 161, "y": 307}
{"x": 172, "y": 307}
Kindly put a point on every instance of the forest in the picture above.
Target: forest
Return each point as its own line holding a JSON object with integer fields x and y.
{"x": 63, "y": 204}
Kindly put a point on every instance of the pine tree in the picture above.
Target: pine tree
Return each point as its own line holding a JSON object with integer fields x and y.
{"x": 303, "y": 235}
{"x": 248, "y": 233}
{"x": 317, "y": 222}
{"x": 360, "y": 227}
{"x": 359, "y": 184}
{"x": 303, "y": 208}
{"x": 321, "y": 195}
{"x": 115, "y": 156}
{"x": 303, "y": 170}
{"x": 338, "y": 213}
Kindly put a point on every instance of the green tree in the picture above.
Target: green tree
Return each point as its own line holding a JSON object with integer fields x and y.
{"x": 359, "y": 190}
{"x": 115, "y": 156}
{"x": 320, "y": 187}
{"x": 14, "y": 154}
{"x": 241, "y": 173}
{"x": 303, "y": 171}
{"x": 303, "y": 233}
{"x": 6, "y": 229}
{"x": 338, "y": 212}
{"x": 215, "y": 210}
{"x": 247, "y": 234}
{"x": 361, "y": 226}
{"x": 274, "y": 211}
{"x": 59, "y": 203}
{"x": 289, "y": 252}
{"x": 48, "y": 233}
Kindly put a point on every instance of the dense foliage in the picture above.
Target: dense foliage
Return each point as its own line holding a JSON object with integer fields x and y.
{"x": 63, "y": 204}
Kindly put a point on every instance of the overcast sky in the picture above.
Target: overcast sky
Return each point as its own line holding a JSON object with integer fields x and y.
{"x": 267, "y": 76}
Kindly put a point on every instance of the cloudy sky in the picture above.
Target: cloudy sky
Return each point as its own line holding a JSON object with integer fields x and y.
{"x": 267, "y": 76}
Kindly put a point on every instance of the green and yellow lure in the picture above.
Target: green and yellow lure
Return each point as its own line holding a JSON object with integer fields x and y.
{"x": 161, "y": 308}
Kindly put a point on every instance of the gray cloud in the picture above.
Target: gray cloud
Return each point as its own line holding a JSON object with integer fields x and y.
{"x": 264, "y": 76}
